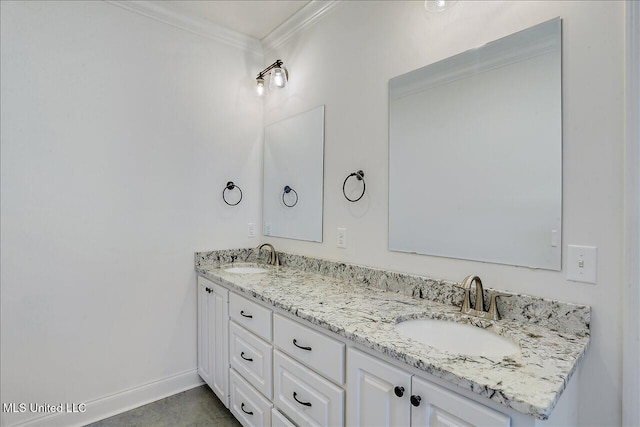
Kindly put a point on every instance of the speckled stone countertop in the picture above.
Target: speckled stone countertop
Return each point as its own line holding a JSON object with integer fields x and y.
{"x": 355, "y": 303}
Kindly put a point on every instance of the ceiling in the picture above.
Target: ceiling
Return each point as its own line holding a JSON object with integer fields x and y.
{"x": 254, "y": 18}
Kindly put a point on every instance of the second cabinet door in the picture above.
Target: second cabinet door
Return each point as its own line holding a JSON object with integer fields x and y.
{"x": 377, "y": 393}
{"x": 213, "y": 337}
{"x": 439, "y": 407}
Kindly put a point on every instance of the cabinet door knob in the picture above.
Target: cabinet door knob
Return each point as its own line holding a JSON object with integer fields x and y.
{"x": 245, "y": 315}
{"x": 244, "y": 410}
{"x": 300, "y": 402}
{"x": 415, "y": 400}
{"x": 399, "y": 391}
{"x": 248, "y": 359}
{"x": 299, "y": 346}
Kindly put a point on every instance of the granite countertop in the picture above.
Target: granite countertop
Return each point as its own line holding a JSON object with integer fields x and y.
{"x": 530, "y": 382}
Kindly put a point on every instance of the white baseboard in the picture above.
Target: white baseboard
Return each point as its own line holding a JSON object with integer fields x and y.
{"x": 119, "y": 402}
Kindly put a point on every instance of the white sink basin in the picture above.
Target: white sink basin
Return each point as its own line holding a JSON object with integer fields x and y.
{"x": 457, "y": 338}
{"x": 245, "y": 269}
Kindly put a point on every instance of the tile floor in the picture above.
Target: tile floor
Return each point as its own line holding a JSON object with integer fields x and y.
{"x": 197, "y": 407}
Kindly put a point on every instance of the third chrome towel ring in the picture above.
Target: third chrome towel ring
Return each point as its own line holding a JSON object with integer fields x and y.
{"x": 231, "y": 186}
{"x": 360, "y": 177}
{"x": 288, "y": 190}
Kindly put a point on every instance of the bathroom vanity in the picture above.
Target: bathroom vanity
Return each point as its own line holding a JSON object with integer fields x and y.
{"x": 314, "y": 342}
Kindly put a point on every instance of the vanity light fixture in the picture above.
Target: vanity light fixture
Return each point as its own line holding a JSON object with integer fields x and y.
{"x": 438, "y": 5}
{"x": 278, "y": 77}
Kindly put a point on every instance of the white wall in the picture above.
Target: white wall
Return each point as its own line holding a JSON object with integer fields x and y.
{"x": 345, "y": 61}
{"x": 118, "y": 135}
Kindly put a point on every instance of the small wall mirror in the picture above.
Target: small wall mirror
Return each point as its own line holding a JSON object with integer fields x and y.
{"x": 475, "y": 147}
{"x": 293, "y": 177}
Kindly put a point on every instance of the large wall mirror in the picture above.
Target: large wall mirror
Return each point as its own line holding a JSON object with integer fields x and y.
{"x": 475, "y": 153}
{"x": 293, "y": 177}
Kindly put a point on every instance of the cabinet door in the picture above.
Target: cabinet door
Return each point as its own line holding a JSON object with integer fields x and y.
{"x": 377, "y": 393}
{"x": 439, "y": 407}
{"x": 213, "y": 337}
{"x": 218, "y": 305}
{"x": 204, "y": 332}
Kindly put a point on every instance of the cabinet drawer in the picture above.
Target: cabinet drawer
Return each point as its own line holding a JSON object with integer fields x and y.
{"x": 250, "y": 315}
{"x": 279, "y": 420}
{"x": 251, "y": 357}
{"x": 306, "y": 397}
{"x": 325, "y": 355}
{"x": 246, "y": 404}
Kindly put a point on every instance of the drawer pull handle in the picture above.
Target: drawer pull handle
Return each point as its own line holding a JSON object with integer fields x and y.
{"x": 415, "y": 400}
{"x": 399, "y": 391}
{"x": 302, "y": 403}
{"x": 244, "y": 410}
{"x": 299, "y": 346}
{"x": 245, "y": 358}
{"x": 245, "y": 315}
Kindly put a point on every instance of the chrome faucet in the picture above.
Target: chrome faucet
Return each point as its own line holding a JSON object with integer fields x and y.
{"x": 273, "y": 257}
{"x": 478, "y": 308}
{"x": 466, "y": 300}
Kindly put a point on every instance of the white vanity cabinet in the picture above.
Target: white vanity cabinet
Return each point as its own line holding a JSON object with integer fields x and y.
{"x": 213, "y": 337}
{"x": 383, "y": 395}
{"x": 273, "y": 369}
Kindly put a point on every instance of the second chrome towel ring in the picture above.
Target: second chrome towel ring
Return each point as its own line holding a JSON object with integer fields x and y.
{"x": 286, "y": 191}
{"x": 360, "y": 177}
{"x": 231, "y": 186}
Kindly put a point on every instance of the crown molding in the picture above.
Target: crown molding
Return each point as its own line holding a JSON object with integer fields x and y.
{"x": 202, "y": 27}
{"x": 297, "y": 22}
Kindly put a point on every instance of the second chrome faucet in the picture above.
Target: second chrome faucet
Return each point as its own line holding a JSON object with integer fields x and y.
{"x": 273, "y": 257}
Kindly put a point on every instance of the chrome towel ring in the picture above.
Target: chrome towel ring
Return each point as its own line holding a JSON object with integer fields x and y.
{"x": 360, "y": 177}
{"x": 231, "y": 186}
{"x": 288, "y": 190}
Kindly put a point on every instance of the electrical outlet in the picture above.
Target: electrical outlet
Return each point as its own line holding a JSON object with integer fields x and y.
{"x": 267, "y": 229}
{"x": 342, "y": 238}
{"x": 582, "y": 263}
{"x": 251, "y": 229}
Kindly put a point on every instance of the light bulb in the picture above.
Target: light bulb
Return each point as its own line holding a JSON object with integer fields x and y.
{"x": 278, "y": 78}
{"x": 260, "y": 87}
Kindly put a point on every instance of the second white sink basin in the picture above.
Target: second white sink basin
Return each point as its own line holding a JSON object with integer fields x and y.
{"x": 245, "y": 269}
{"x": 457, "y": 338}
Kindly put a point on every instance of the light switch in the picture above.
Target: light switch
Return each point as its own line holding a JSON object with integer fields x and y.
{"x": 251, "y": 229}
{"x": 582, "y": 263}
{"x": 267, "y": 229}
